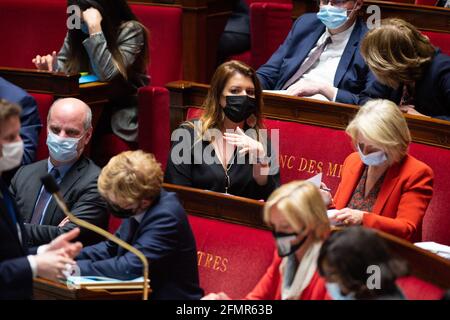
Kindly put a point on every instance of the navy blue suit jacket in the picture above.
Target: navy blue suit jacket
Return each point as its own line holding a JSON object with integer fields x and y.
{"x": 16, "y": 277}
{"x": 29, "y": 118}
{"x": 432, "y": 91}
{"x": 165, "y": 237}
{"x": 355, "y": 83}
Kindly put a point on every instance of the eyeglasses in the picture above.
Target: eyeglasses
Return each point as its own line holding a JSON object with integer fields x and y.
{"x": 333, "y": 2}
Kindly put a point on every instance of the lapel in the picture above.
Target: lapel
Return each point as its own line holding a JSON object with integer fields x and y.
{"x": 5, "y": 217}
{"x": 348, "y": 53}
{"x": 72, "y": 176}
{"x": 389, "y": 183}
{"x": 302, "y": 52}
{"x": 349, "y": 185}
{"x": 34, "y": 189}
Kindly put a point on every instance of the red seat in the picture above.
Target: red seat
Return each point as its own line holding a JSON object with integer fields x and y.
{"x": 44, "y": 102}
{"x": 165, "y": 42}
{"x": 30, "y": 28}
{"x": 440, "y": 40}
{"x": 231, "y": 258}
{"x": 416, "y": 289}
{"x": 270, "y": 22}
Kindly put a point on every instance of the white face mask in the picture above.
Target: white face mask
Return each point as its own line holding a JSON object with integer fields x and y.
{"x": 12, "y": 154}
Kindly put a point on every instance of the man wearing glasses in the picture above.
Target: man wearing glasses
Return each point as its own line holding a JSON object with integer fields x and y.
{"x": 320, "y": 57}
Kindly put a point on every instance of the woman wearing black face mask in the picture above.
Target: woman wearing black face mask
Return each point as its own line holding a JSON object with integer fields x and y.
{"x": 297, "y": 214}
{"x": 226, "y": 150}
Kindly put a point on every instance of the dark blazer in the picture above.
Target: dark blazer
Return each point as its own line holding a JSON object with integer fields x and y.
{"x": 16, "y": 277}
{"x": 432, "y": 91}
{"x": 29, "y": 118}
{"x": 165, "y": 237}
{"x": 239, "y": 20}
{"x": 79, "y": 189}
{"x": 355, "y": 83}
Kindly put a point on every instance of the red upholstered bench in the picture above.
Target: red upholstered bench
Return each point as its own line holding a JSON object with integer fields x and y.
{"x": 44, "y": 102}
{"x": 439, "y": 39}
{"x": 29, "y": 28}
{"x": 270, "y": 22}
{"x": 165, "y": 41}
{"x": 416, "y": 289}
{"x": 306, "y": 150}
{"x": 231, "y": 258}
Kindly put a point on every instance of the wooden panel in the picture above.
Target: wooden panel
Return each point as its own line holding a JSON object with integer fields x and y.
{"x": 184, "y": 94}
{"x": 44, "y": 289}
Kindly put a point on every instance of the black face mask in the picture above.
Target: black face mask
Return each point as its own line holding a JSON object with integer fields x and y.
{"x": 239, "y": 108}
{"x": 285, "y": 248}
{"x": 119, "y": 212}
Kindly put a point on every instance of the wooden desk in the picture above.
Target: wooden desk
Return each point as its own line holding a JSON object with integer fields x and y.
{"x": 185, "y": 94}
{"x": 48, "y": 290}
{"x": 423, "y": 264}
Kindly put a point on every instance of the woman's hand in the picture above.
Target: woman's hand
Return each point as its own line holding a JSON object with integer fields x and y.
{"x": 47, "y": 63}
{"x": 216, "y": 296}
{"x": 349, "y": 216}
{"x": 93, "y": 19}
{"x": 247, "y": 144}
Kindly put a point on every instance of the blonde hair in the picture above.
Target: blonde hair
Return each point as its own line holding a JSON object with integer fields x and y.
{"x": 382, "y": 123}
{"x": 396, "y": 52}
{"x": 131, "y": 176}
{"x": 302, "y": 205}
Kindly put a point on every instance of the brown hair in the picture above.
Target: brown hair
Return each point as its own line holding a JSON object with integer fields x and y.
{"x": 396, "y": 52}
{"x": 214, "y": 116}
{"x": 8, "y": 110}
{"x": 131, "y": 176}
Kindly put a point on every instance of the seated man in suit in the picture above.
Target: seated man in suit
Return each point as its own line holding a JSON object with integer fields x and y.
{"x": 69, "y": 131}
{"x": 29, "y": 117}
{"x": 155, "y": 223}
{"x": 320, "y": 57}
{"x": 17, "y": 265}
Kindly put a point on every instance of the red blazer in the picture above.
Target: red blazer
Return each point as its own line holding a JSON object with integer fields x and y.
{"x": 403, "y": 198}
{"x": 269, "y": 287}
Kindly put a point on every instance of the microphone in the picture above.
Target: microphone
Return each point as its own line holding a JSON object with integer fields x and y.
{"x": 52, "y": 187}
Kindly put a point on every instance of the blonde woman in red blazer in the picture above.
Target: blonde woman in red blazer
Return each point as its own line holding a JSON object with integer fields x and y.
{"x": 297, "y": 214}
{"x": 382, "y": 186}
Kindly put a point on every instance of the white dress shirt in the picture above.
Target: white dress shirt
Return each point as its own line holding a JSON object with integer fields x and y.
{"x": 324, "y": 70}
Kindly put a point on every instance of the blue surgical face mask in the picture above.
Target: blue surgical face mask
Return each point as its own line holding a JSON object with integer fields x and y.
{"x": 335, "y": 292}
{"x": 372, "y": 159}
{"x": 332, "y": 17}
{"x": 62, "y": 149}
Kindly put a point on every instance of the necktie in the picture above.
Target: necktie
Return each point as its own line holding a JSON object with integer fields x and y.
{"x": 307, "y": 64}
{"x": 407, "y": 95}
{"x": 41, "y": 203}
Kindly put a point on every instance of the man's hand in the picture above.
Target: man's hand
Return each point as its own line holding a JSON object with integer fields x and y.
{"x": 51, "y": 264}
{"x": 71, "y": 250}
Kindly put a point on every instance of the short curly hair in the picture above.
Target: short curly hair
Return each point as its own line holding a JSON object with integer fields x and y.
{"x": 131, "y": 176}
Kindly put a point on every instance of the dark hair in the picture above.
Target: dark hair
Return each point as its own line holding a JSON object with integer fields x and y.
{"x": 351, "y": 251}
{"x": 114, "y": 14}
